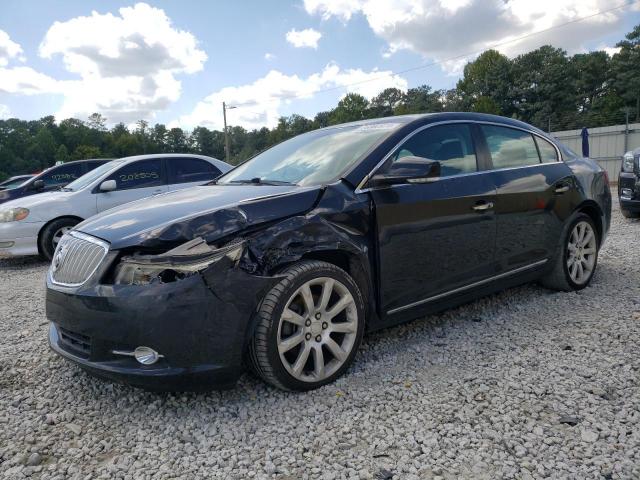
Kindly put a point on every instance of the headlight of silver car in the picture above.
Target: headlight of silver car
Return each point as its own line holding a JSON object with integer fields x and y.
{"x": 183, "y": 261}
{"x": 13, "y": 214}
{"x": 627, "y": 162}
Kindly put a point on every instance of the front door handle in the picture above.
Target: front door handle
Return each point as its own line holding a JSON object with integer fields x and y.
{"x": 562, "y": 188}
{"x": 484, "y": 206}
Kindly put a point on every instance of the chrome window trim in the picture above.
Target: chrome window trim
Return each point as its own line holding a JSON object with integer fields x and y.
{"x": 82, "y": 236}
{"x": 467, "y": 287}
{"x": 361, "y": 186}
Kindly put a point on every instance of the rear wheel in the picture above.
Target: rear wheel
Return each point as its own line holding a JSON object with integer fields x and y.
{"x": 309, "y": 327}
{"x": 52, "y": 233}
{"x": 576, "y": 260}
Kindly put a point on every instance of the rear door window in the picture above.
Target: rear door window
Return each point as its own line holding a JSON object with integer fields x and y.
{"x": 186, "y": 170}
{"x": 510, "y": 147}
{"x": 62, "y": 175}
{"x": 140, "y": 174}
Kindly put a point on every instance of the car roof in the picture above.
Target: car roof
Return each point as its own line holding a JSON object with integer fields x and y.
{"x": 403, "y": 120}
{"x": 223, "y": 166}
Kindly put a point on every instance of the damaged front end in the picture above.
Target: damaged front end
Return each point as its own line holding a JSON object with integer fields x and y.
{"x": 176, "y": 264}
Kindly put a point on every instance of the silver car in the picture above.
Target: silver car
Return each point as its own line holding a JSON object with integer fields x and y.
{"x": 33, "y": 225}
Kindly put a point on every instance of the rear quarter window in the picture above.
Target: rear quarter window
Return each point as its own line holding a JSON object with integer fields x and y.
{"x": 547, "y": 151}
{"x": 510, "y": 147}
{"x": 187, "y": 170}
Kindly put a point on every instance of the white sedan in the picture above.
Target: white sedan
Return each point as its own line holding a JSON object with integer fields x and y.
{"x": 33, "y": 225}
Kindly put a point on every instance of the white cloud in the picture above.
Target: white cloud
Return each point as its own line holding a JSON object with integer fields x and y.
{"x": 342, "y": 9}
{"x": 442, "y": 29}
{"x": 611, "y": 51}
{"x": 260, "y": 103}
{"x": 127, "y": 63}
{"x": 304, "y": 38}
{"x": 27, "y": 81}
{"x": 8, "y": 49}
{"x": 269, "y": 56}
{"x": 4, "y": 112}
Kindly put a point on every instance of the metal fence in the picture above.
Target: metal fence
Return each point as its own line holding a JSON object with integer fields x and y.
{"x": 606, "y": 144}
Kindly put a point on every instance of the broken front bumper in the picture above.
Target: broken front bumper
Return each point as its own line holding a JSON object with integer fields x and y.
{"x": 199, "y": 324}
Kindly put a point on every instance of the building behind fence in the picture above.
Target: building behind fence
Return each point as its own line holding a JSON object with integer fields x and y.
{"x": 607, "y": 145}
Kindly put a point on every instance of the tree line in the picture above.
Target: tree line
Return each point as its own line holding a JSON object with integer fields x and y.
{"x": 544, "y": 87}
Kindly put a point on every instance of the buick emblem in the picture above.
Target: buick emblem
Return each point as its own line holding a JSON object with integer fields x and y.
{"x": 58, "y": 258}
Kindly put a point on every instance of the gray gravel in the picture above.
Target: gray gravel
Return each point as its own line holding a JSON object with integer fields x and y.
{"x": 524, "y": 384}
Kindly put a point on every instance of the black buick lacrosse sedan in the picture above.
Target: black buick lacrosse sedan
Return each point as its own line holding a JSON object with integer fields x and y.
{"x": 283, "y": 263}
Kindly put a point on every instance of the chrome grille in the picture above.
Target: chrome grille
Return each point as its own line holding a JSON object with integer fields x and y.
{"x": 76, "y": 259}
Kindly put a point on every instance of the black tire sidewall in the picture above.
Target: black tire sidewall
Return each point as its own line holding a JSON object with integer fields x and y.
{"x": 581, "y": 217}
{"x": 46, "y": 239}
{"x": 280, "y": 372}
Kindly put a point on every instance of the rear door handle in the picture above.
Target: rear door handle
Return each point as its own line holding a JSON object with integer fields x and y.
{"x": 483, "y": 206}
{"x": 562, "y": 188}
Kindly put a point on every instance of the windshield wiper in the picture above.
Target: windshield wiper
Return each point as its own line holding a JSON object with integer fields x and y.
{"x": 66, "y": 189}
{"x": 260, "y": 181}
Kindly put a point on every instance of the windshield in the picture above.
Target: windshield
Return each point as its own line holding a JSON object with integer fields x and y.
{"x": 14, "y": 183}
{"x": 90, "y": 177}
{"x": 313, "y": 158}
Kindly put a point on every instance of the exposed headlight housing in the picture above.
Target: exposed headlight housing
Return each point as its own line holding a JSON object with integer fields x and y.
{"x": 183, "y": 261}
{"x": 13, "y": 214}
{"x": 628, "y": 162}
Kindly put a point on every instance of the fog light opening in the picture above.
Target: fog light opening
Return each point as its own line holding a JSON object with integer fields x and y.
{"x": 146, "y": 355}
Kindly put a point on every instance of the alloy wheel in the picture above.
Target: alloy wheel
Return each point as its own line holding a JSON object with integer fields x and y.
{"x": 582, "y": 251}
{"x": 58, "y": 236}
{"x": 317, "y": 330}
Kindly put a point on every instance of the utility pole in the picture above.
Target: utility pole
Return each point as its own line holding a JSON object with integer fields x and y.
{"x": 227, "y": 149}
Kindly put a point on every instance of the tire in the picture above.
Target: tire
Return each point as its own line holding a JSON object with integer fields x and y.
{"x": 51, "y": 234}
{"x": 629, "y": 214}
{"x": 280, "y": 339}
{"x": 562, "y": 275}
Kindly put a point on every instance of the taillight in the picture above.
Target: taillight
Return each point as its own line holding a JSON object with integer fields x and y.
{"x": 606, "y": 176}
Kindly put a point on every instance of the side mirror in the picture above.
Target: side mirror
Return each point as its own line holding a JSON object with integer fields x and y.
{"x": 408, "y": 169}
{"x": 38, "y": 185}
{"x": 108, "y": 186}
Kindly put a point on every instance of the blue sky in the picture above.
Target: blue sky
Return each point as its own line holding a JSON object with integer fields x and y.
{"x": 174, "y": 62}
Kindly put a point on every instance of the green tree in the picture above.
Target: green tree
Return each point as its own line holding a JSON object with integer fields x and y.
{"x": 62, "y": 155}
{"x": 177, "y": 141}
{"x": 351, "y": 107}
{"x": 42, "y": 148}
{"x": 486, "y": 84}
{"x": 85, "y": 151}
{"x": 543, "y": 90}
{"x": 97, "y": 122}
{"x": 384, "y": 104}
{"x": 421, "y": 99}
{"x": 626, "y": 71}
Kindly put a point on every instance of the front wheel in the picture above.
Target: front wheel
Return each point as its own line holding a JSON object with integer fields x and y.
{"x": 52, "y": 233}
{"x": 576, "y": 260}
{"x": 309, "y": 327}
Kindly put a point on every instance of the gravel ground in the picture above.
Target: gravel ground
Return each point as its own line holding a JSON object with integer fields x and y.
{"x": 524, "y": 384}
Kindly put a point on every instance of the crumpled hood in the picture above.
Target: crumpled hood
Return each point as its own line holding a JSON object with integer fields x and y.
{"x": 210, "y": 212}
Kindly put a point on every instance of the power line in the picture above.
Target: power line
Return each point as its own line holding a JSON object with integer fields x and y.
{"x": 456, "y": 57}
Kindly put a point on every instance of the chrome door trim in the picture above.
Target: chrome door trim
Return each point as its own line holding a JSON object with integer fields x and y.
{"x": 467, "y": 287}
{"x": 361, "y": 186}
